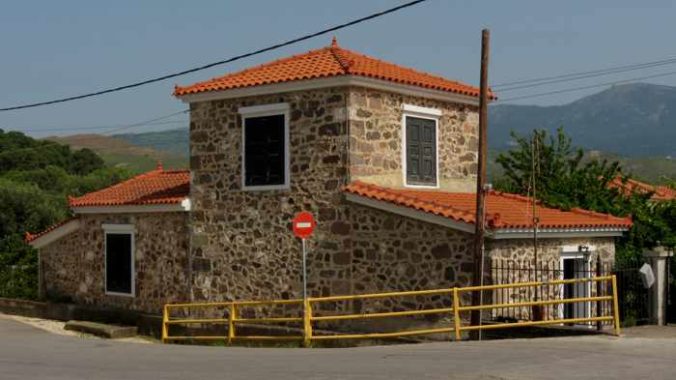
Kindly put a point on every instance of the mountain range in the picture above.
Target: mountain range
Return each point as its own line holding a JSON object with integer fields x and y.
{"x": 629, "y": 120}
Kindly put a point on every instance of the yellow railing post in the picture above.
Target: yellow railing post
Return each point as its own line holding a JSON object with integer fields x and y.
{"x": 232, "y": 315}
{"x": 307, "y": 322}
{"x": 165, "y": 327}
{"x": 456, "y": 314}
{"x": 616, "y": 314}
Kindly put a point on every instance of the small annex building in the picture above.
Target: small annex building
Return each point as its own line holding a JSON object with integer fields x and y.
{"x": 384, "y": 156}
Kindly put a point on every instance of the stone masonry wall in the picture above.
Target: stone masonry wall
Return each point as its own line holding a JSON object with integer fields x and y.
{"x": 397, "y": 253}
{"x": 241, "y": 240}
{"x": 74, "y": 268}
{"x": 376, "y": 139}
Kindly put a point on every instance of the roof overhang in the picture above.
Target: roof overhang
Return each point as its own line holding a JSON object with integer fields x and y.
{"x": 338, "y": 81}
{"x": 183, "y": 206}
{"x": 55, "y": 234}
{"x": 496, "y": 234}
{"x": 552, "y": 233}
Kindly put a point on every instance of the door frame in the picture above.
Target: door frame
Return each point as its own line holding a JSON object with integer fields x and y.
{"x": 571, "y": 252}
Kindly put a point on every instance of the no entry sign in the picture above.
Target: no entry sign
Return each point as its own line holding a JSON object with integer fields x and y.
{"x": 303, "y": 225}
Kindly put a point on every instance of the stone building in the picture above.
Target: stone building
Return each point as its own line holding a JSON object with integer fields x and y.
{"x": 384, "y": 156}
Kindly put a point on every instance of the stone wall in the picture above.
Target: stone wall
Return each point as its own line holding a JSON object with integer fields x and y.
{"x": 241, "y": 240}
{"x": 396, "y": 253}
{"x": 375, "y": 127}
{"x": 521, "y": 250}
{"x": 73, "y": 267}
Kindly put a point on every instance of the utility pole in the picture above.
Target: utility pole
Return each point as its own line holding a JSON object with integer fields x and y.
{"x": 481, "y": 179}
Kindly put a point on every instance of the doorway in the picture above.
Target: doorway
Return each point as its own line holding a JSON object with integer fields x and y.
{"x": 575, "y": 265}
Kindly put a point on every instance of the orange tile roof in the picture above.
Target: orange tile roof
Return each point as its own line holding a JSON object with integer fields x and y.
{"x": 29, "y": 237}
{"x": 155, "y": 187}
{"x": 331, "y": 61}
{"x": 660, "y": 193}
{"x": 503, "y": 210}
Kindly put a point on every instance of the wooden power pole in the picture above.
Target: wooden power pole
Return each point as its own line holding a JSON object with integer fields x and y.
{"x": 481, "y": 179}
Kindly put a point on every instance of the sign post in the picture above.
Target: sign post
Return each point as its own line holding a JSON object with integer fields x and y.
{"x": 303, "y": 225}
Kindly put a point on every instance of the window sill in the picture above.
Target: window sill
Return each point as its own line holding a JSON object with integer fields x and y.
{"x": 266, "y": 187}
{"x": 421, "y": 186}
{"x": 116, "y": 294}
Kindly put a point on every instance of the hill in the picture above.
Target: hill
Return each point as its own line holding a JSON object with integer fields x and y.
{"x": 629, "y": 120}
{"x": 119, "y": 152}
{"x": 175, "y": 141}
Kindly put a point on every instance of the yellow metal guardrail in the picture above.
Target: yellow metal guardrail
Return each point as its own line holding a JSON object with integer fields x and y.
{"x": 232, "y": 309}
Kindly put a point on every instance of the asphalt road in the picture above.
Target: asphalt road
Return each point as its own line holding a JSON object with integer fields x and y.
{"x": 30, "y": 353}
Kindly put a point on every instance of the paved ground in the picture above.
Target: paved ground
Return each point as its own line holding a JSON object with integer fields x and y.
{"x": 30, "y": 353}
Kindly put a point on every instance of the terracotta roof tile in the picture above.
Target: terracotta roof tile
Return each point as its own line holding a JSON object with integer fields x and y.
{"x": 331, "y": 61}
{"x": 660, "y": 193}
{"x": 155, "y": 187}
{"x": 29, "y": 237}
{"x": 503, "y": 210}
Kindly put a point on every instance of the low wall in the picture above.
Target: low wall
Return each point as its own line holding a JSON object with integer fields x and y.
{"x": 147, "y": 324}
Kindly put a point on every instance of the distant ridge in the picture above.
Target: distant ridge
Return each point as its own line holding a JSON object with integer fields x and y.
{"x": 630, "y": 120}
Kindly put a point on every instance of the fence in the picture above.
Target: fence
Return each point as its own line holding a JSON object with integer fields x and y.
{"x": 230, "y": 314}
{"x": 633, "y": 298}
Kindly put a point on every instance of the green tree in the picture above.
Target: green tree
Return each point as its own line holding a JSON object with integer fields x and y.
{"x": 35, "y": 179}
{"x": 564, "y": 179}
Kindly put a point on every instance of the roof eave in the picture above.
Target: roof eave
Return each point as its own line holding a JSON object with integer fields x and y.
{"x": 335, "y": 81}
{"x": 182, "y": 206}
{"x": 550, "y": 233}
{"x": 55, "y": 234}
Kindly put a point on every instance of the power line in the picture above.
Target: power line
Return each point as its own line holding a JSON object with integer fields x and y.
{"x": 62, "y": 129}
{"x": 218, "y": 63}
{"x": 591, "y": 74}
{"x": 588, "y": 87}
{"x": 605, "y": 71}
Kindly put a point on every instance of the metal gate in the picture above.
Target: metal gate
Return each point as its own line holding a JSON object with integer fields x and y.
{"x": 634, "y": 299}
{"x": 671, "y": 290}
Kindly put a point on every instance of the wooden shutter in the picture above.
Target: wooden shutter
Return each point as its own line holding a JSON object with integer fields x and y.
{"x": 421, "y": 151}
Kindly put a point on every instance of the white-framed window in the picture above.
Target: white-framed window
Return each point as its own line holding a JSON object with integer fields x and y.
{"x": 119, "y": 266}
{"x": 420, "y": 146}
{"x": 265, "y": 147}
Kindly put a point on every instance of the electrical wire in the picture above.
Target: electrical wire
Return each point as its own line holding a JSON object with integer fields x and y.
{"x": 63, "y": 129}
{"x": 586, "y": 87}
{"x": 213, "y": 64}
{"x": 584, "y": 74}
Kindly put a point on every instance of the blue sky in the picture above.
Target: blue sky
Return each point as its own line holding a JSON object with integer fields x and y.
{"x": 53, "y": 49}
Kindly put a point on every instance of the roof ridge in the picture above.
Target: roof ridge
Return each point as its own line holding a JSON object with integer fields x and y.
{"x": 518, "y": 197}
{"x": 28, "y": 237}
{"x": 172, "y": 171}
{"x": 72, "y": 199}
{"x": 256, "y": 67}
{"x": 596, "y": 214}
{"x": 411, "y": 69}
{"x": 342, "y": 61}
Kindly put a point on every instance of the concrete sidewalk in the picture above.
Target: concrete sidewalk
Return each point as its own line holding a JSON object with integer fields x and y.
{"x": 26, "y": 352}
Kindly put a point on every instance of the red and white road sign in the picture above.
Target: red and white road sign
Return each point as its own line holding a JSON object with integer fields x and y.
{"x": 303, "y": 224}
